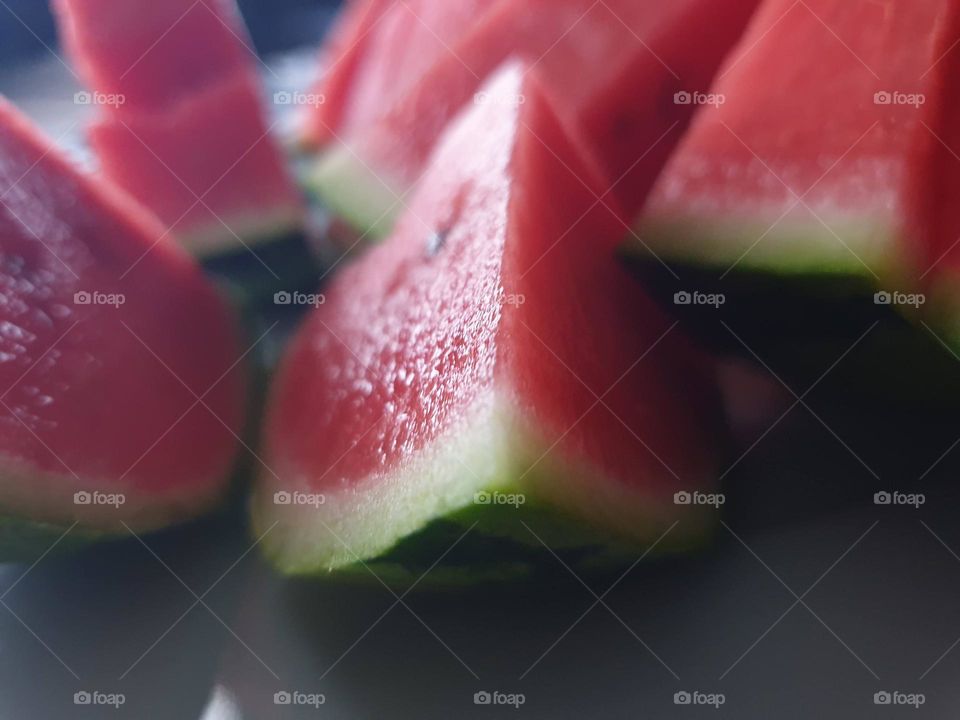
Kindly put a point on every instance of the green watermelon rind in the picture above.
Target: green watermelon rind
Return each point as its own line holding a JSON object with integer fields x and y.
{"x": 788, "y": 247}
{"x": 353, "y": 192}
{"x": 439, "y": 491}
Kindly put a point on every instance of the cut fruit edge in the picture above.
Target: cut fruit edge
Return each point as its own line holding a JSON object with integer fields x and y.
{"x": 249, "y": 229}
{"x": 366, "y": 201}
{"x": 493, "y": 459}
{"x": 63, "y": 499}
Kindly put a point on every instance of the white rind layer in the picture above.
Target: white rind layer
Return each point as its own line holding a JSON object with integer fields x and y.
{"x": 240, "y": 229}
{"x": 49, "y": 497}
{"x": 492, "y": 451}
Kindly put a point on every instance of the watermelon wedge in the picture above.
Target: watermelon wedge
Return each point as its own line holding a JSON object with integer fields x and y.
{"x": 490, "y": 361}
{"x": 807, "y": 170}
{"x": 624, "y": 109}
{"x": 181, "y": 126}
{"x": 121, "y": 382}
{"x": 380, "y": 49}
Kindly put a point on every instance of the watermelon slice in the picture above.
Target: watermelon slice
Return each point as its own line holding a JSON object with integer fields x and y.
{"x": 491, "y": 361}
{"x": 807, "y": 169}
{"x": 624, "y": 109}
{"x": 181, "y": 125}
{"x": 379, "y": 51}
{"x": 122, "y": 387}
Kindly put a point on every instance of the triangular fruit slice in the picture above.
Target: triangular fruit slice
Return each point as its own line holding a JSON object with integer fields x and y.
{"x": 378, "y": 51}
{"x": 181, "y": 126}
{"x": 121, "y": 391}
{"x": 205, "y": 166}
{"x": 800, "y": 169}
{"x": 491, "y": 352}
{"x": 619, "y": 72}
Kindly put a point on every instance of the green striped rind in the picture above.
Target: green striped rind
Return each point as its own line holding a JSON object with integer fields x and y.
{"x": 355, "y": 193}
{"x": 850, "y": 247}
{"x": 801, "y": 298}
{"x": 426, "y": 517}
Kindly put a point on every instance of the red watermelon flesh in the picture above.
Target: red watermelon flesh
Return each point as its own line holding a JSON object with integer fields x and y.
{"x": 614, "y": 69}
{"x": 340, "y": 56}
{"x": 468, "y": 352}
{"x": 393, "y": 43}
{"x": 108, "y": 335}
{"x": 189, "y": 121}
{"x": 807, "y": 167}
{"x": 154, "y": 53}
{"x": 936, "y": 187}
{"x": 234, "y": 184}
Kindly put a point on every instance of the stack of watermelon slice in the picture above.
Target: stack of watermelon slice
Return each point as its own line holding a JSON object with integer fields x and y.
{"x": 489, "y": 376}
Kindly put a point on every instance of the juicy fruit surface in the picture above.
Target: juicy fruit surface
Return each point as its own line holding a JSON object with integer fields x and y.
{"x": 491, "y": 324}
{"x": 182, "y": 127}
{"x": 788, "y": 156}
{"x": 108, "y": 336}
{"x": 635, "y": 50}
{"x": 237, "y": 183}
{"x": 395, "y": 44}
{"x": 154, "y": 53}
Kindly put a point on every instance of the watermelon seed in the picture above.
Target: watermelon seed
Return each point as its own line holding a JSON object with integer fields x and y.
{"x": 435, "y": 242}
